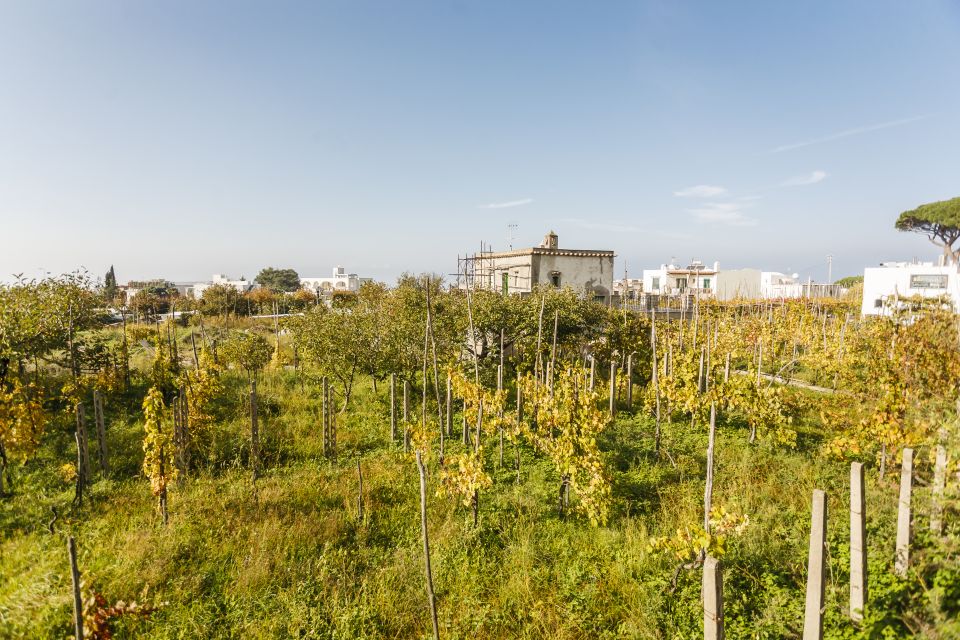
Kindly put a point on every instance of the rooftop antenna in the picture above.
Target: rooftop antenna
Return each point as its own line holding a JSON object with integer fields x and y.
{"x": 512, "y": 227}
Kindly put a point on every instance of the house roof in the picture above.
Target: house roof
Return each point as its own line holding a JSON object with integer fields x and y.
{"x": 543, "y": 251}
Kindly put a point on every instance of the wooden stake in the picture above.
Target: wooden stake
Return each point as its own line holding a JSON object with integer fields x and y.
{"x": 939, "y": 484}
{"x": 449, "y": 405}
{"x": 254, "y": 433}
{"x": 708, "y": 489}
{"x": 816, "y": 567}
{"x": 359, "y": 491}
{"x": 426, "y": 546}
{"x": 902, "y": 562}
{"x": 858, "y": 543}
{"x": 393, "y": 407}
{"x": 101, "y": 432}
{"x": 613, "y": 389}
{"x": 712, "y": 595}
{"x": 84, "y": 448}
{"x": 77, "y": 597}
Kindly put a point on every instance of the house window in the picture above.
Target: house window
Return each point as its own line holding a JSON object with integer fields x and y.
{"x": 505, "y": 281}
{"x": 555, "y": 278}
{"x": 877, "y": 303}
{"x": 656, "y": 284}
{"x": 681, "y": 283}
{"x": 928, "y": 281}
{"x": 706, "y": 283}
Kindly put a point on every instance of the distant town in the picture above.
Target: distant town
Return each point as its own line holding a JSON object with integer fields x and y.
{"x": 590, "y": 272}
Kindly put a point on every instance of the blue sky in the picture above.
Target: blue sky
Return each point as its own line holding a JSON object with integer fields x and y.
{"x": 179, "y": 139}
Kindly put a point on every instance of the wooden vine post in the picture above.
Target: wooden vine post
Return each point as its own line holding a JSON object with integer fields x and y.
{"x": 101, "y": 432}
{"x": 393, "y": 407}
{"x": 712, "y": 595}
{"x": 180, "y": 438}
{"x": 816, "y": 567}
{"x": 613, "y": 389}
{"x": 708, "y": 488}
{"x": 858, "y": 542}
{"x": 449, "y": 413}
{"x": 359, "y": 491}
{"x": 329, "y": 420}
{"x": 83, "y": 469}
{"x": 630, "y": 382}
{"x": 939, "y": 484}
{"x": 406, "y": 415}
{"x": 254, "y": 433}
{"x": 77, "y": 597}
{"x": 902, "y": 562}
{"x": 516, "y": 441}
{"x": 426, "y": 545}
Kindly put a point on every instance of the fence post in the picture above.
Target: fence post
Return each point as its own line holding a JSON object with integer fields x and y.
{"x": 712, "y": 595}
{"x": 858, "y": 543}
{"x": 593, "y": 370}
{"x": 816, "y": 566}
{"x": 902, "y": 561}
{"x": 630, "y": 382}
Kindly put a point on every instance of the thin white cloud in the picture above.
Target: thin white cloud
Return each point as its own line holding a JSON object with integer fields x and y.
{"x": 602, "y": 226}
{"x": 849, "y": 132}
{"x": 800, "y": 181}
{"x": 506, "y": 205}
{"x": 727, "y": 213}
{"x": 701, "y": 191}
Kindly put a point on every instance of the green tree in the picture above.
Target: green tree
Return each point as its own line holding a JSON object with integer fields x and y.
{"x": 939, "y": 221}
{"x": 336, "y": 342}
{"x": 110, "y": 285}
{"x": 849, "y": 281}
{"x": 278, "y": 280}
{"x": 220, "y": 299}
{"x": 248, "y": 351}
{"x": 39, "y": 321}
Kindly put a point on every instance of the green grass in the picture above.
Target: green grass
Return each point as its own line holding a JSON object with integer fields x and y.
{"x": 289, "y": 558}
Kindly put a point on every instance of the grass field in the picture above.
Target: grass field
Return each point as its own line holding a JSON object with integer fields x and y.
{"x": 288, "y": 557}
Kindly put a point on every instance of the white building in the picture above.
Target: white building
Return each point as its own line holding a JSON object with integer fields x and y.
{"x": 774, "y": 284}
{"x": 340, "y": 281}
{"x": 242, "y": 285}
{"x": 884, "y": 285}
{"x": 673, "y": 280}
{"x": 588, "y": 272}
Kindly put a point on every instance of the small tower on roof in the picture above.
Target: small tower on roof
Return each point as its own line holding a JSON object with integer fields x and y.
{"x": 550, "y": 241}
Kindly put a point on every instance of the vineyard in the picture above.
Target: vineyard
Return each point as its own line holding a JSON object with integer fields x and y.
{"x": 421, "y": 461}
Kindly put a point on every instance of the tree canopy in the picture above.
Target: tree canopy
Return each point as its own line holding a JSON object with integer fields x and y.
{"x": 286, "y": 280}
{"x": 939, "y": 221}
{"x": 110, "y": 285}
